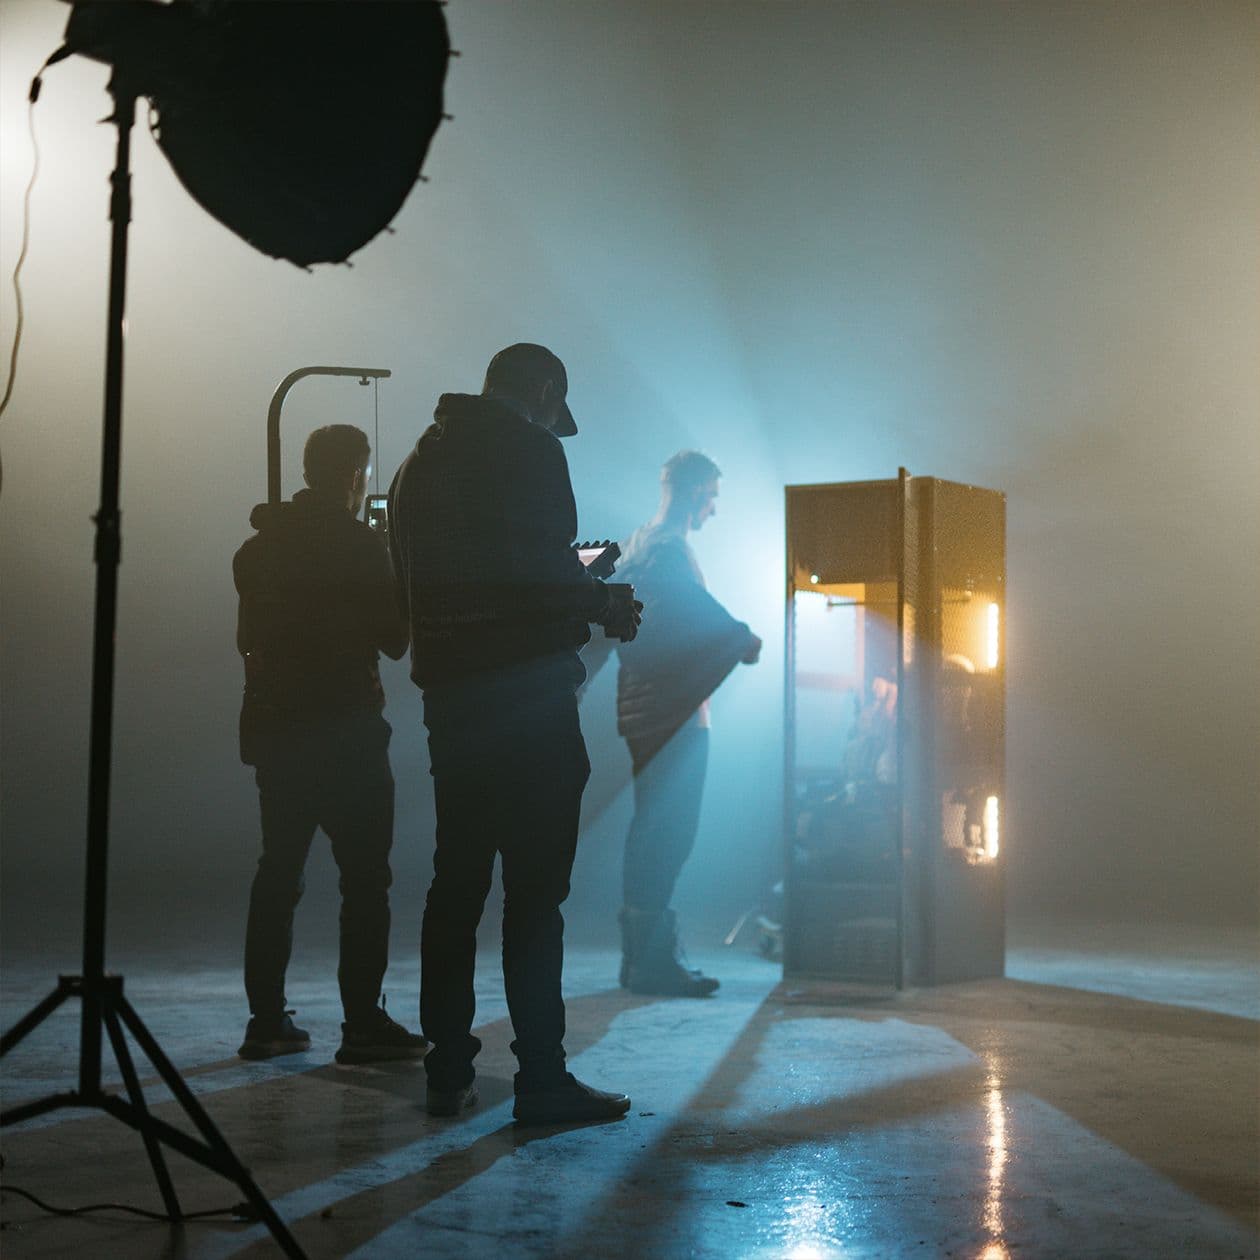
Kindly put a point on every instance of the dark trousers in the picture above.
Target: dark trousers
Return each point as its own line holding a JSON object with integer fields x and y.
{"x": 332, "y": 774}
{"x": 509, "y": 766}
{"x": 668, "y": 787}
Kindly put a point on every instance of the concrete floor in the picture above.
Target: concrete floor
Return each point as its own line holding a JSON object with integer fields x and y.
{"x": 1100, "y": 1102}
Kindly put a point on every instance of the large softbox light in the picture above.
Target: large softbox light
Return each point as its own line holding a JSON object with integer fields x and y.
{"x": 301, "y": 125}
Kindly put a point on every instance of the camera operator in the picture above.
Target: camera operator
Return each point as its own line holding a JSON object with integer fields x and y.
{"x": 482, "y": 523}
{"x": 317, "y": 604}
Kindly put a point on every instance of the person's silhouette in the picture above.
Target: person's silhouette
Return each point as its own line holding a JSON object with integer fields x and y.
{"x": 317, "y": 604}
{"x": 482, "y": 523}
{"x": 689, "y": 645}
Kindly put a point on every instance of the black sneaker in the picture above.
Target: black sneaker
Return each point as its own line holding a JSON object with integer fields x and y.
{"x": 652, "y": 958}
{"x": 378, "y": 1039}
{"x": 568, "y": 1102}
{"x": 671, "y": 979}
{"x": 450, "y": 1102}
{"x": 268, "y": 1036}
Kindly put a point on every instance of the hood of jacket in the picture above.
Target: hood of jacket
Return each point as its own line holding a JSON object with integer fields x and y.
{"x": 458, "y": 414}
{"x": 304, "y": 506}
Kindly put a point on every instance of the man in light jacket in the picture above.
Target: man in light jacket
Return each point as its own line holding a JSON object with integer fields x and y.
{"x": 689, "y": 645}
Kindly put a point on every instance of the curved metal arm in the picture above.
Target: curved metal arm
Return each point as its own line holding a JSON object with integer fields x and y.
{"x": 277, "y": 401}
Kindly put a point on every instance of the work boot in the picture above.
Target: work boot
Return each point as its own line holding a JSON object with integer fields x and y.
{"x": 450, "y": 1102}
{"x": 652, "y": 957}
{"x": 566, "y": 1102}
{"x": 378, "y": 1039}
{"x": 269, "y": 1035}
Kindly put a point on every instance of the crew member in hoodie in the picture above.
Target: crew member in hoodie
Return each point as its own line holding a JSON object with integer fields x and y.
{"x": 317, "y": 605}
{"x": 482, "y": 525}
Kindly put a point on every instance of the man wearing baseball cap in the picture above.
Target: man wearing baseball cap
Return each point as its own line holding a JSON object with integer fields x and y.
{"x": 482, "y": 525}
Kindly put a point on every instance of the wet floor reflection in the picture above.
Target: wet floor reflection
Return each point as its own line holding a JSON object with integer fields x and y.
{"x": 811, "y": 1225}
{"x": 977, "y": 1122}
{"x": 811, "y": 1251}
{"x": 994, "y": 1203}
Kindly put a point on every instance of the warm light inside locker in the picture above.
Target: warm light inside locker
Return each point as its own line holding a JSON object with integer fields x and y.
{"x": 992, "y": 627}
{"x": 894, "y": 732}
{"x": 991, "y": 846}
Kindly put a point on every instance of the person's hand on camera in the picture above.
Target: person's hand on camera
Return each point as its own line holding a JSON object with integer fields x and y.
{"x": 753, "y": 653}
{"x": 624, "y": 613}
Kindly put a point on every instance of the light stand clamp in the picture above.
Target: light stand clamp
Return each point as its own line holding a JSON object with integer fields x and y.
{"x": 277, "y": 402}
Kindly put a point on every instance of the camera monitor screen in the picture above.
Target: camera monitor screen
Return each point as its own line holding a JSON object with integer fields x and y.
{"x": 376, "y": 511}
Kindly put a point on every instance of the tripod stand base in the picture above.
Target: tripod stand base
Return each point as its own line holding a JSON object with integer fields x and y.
{"x": 104, "y": 1005}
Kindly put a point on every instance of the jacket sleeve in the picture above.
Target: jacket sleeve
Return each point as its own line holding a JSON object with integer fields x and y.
{"x": 386, "y": 621}
{"x": 396, "y": 533}
{"x": 245, "y": 633}
{"x": 688, "y": 645}
{"x": 682, "y": 609}
{"x": 560, "y": 585}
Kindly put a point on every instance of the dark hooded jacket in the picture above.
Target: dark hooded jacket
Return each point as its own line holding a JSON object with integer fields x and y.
{"x": 482, "y": 526}
{"x": 317, "y": 604}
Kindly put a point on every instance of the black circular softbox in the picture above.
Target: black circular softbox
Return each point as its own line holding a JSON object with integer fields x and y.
{"x": 301, "y": 125}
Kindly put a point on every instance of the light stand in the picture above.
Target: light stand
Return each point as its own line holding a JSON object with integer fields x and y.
{"x": 277, "y": 404}
{"x": 103, "y": 1003}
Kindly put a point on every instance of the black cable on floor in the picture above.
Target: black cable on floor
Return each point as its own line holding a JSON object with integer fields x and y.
{"x": 241, "y": 1212}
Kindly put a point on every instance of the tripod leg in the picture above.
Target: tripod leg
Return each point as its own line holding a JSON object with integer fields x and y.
{"x": 233, "y": 1168}
{"x": 32, "y": 1019}
{"x": 151, "y": 1145}
{"x": 170, "y": 1074}
{"x": 37, "y": 1107}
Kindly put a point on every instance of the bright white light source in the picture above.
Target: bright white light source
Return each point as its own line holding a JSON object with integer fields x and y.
{"x": 813, "y": 577}
{"x": 991, "y": 636}
{"x": 991, "y": 827}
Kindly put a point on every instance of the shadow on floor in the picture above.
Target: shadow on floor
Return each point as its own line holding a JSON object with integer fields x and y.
{"x": 1175, "y": 1088}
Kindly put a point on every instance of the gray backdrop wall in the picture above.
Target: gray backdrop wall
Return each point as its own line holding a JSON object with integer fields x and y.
{"x": 1012, "y": 244}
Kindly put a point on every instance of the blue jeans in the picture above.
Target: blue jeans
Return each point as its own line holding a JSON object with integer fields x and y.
{"x": 668, "y": 788}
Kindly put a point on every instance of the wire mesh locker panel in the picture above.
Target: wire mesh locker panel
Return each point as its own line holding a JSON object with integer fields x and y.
{"x": 893, "y": 706}
{"x": 965, "y": 669}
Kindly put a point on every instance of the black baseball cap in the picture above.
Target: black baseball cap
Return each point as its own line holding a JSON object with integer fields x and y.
{"x": 534, "y": 365}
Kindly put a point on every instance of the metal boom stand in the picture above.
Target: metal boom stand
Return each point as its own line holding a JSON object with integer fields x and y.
{"x": 103, "y": 1003}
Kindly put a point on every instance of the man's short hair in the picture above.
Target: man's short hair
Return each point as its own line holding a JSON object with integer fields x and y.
{"x": 689, "y": 471}
{"x": 332, "y": 454}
